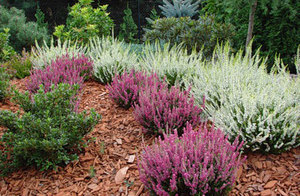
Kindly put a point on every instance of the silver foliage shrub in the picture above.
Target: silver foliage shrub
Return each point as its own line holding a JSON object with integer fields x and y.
{"x": 179, "y": 8}
{"x": 243, "y": 99}
{"x": 110, "y": 57}
{"x": 172, "y": 63}
{"x": 43, "y": 55}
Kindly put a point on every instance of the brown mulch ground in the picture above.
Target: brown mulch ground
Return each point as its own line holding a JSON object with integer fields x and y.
{"x": 115, "y": 143}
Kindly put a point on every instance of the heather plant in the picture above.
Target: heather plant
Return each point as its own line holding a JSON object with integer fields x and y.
{"x": 199, "y": 162}
{"x": 85, "y": 22}
{"x": 48, "y": 134}
{"x": 160, "y": 109}
{"x": 243, "y": 99}
{"x": 172, "y": 63}
{"x": 110, "y": 57}
{"x": 4, "y": 82}
{"x": 19, "y": 65}
{"x": 125, "y": 88}
{"x": 65, "y": 69}
{"x": 43, "y": 55}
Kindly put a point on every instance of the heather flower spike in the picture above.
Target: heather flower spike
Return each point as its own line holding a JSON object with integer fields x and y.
{"x": 125, "y": 88}
{"x": 160, "y": 109}
{"x": 199, "y": 162}
{"x": 63, "y": 70}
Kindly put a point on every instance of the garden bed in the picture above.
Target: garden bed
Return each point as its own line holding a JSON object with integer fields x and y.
{"x": 116, "y": 142}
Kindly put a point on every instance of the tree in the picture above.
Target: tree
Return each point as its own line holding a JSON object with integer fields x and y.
{"x": 274, "y": 25}
{"x": 251, "y": 22}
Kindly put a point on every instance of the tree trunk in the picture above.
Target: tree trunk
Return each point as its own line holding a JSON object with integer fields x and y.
{"x": 251, "y": 22}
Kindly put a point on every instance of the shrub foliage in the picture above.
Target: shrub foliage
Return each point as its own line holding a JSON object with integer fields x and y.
{"x": 4, "y": 82}
{"x": 43, "y": 55}
{"x": 85, "y": 22}
{"x": 173, "y": 64}
{"x": 204, "y": 32}
{"x": 23, "y": 33}
{"x": 243, "y": 99}
{"x": 6, "y": 51}
{"x": 110, "y": 57}
{"x": 19, "y": 65}
{"x": 48, "y": 134}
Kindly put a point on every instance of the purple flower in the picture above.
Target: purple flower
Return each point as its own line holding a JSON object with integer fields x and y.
{"x": 200, "y": 161}
{"x": 160, "y": 109}
{"x": 125, "y": 88}
{"x": 63, "y": 70}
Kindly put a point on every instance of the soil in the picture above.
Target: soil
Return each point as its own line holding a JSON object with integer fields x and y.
{"x": 114, "y": 145}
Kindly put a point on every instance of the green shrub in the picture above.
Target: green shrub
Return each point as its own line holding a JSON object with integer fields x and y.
{"x": 129, "y": 29}
{"x": 23, "y": 33}
{"x": 19, "y": 65}
{"x": 110, "y": 57}
{"x": 48, "y": 134}
{"x": 6, "y": 51}
{"x": 4, "y": 83}
{"x": 44, "y": 55}
{"x": 204, "y": 32}
{"x": 243, "y": 99}
{"x": 152, "y": 17}
{"x": 85, "y": 22}
{"x": 40, "y": 18}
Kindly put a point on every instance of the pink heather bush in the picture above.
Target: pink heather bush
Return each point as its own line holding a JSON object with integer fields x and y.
{"x": 160, "y": 109}
{"x": 124, "y": 89}
{"x": 197, "y": 163}
{"x": 63, "y": 70}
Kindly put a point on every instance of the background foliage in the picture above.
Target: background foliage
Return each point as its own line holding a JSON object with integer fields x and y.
{"x": 23, "y": 33}
{"x": 85, "y": 22}
{"x": 276, "y": 25}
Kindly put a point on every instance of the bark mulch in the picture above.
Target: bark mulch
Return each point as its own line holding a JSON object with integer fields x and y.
{"x": 107, "y": 166}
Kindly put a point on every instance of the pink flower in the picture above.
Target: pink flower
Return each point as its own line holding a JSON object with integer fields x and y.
{"x": 190, "y": 164}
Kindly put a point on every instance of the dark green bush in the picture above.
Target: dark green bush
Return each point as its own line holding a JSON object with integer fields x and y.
{"x": 4, "y": 83}
{"x": 23, "y": 33}
{"x": 129, "y": 30}
{"x": 191, "y": 33}
{"x": 49, "y": 133}
{"x": 85, "y": 22}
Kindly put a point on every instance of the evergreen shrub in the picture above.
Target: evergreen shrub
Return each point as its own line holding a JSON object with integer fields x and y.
{"x": 48, "y": 134}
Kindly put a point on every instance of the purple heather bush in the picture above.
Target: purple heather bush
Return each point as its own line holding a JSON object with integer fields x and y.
{"x": 63, "y": 70}
{"x": 199, "y": 162}
{"x": 160, "y": 109}
{"x": 125, "y": 88}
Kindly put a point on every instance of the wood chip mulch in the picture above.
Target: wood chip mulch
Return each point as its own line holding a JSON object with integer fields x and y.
{"x": 107, "y": 166}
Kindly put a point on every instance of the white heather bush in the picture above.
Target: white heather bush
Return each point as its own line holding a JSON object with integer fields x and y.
{"x": 243, "y": 99}
{"x": 172, "y": 63}
{"x": 44, "y": 55}
{"x": 110, "y": 57}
